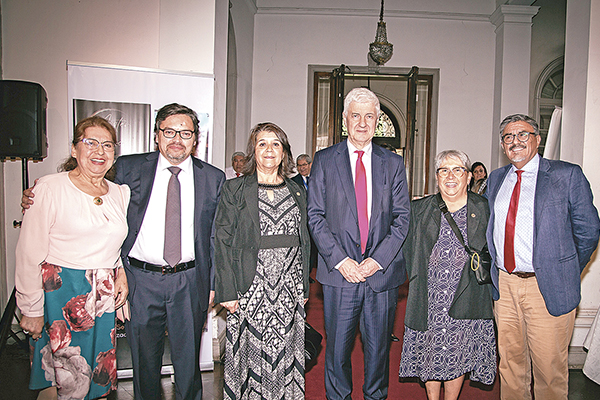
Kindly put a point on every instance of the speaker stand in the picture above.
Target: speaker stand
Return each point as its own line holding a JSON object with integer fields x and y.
{"x": 10, "y": 311}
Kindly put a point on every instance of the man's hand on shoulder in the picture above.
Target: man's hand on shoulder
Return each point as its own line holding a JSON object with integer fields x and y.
{"x": 27, "y": 199}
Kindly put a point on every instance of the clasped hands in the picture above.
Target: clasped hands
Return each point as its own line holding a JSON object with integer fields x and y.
{"x": 354, "y": 272}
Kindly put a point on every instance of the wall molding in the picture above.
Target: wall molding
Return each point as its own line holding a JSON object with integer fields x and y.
{"x": 354, "y": 12}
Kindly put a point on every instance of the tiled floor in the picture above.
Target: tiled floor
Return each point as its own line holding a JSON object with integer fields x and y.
{"x": 14, "y": 377}
{"x": 212, "y": 386}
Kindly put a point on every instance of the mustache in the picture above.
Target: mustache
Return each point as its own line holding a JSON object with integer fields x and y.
{"x": 517, "y": 146}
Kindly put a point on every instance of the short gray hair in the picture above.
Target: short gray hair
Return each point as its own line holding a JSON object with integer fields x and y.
{"x": 361, "y": 95}
{"x": 305, "y": 157}
{"x": 460, "y": 155}
{"x": 237, "y": 153}
{"x": 519, "y": 117}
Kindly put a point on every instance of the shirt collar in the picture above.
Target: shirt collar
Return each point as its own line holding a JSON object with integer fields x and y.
{"x": 367, "y": 149}
{"x": 532, "y": 166}
{"x": 185, "y": 165}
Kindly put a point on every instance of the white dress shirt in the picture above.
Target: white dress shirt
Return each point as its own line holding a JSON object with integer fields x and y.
{"x": 150, "y": 243}
{"x": 366, "y": 159}
{"x": 524, "y": 219}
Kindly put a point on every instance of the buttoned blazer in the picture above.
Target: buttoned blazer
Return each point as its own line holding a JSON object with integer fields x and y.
{"x": 565, "y": 233}
{"x": 471, "y": 300}
{"x": 138, "y": 171}
{"x": 333, "y": 218}
{"x": 237, "y": 236}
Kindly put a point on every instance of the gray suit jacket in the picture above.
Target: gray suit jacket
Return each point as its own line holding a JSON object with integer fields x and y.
{"x": 565, "y": 233}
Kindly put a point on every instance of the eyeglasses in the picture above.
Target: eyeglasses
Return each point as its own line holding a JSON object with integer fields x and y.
{"x": 93, "y": 145}
{"x": 522, "y": 136}
{"x": 170, "y": 133}
{"x": 458, "y": 172}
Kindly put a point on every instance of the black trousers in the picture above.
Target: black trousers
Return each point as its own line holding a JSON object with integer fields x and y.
{"x": 162, "y": 303}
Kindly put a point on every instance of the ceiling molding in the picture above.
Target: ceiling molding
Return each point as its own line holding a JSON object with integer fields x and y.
{"x": 346, "y": 12}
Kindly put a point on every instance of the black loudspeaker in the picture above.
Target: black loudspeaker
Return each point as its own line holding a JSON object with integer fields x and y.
{"x": 22, "y": 120}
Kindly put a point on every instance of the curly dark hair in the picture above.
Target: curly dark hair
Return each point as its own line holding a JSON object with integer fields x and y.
{"x": 287, "y": 163}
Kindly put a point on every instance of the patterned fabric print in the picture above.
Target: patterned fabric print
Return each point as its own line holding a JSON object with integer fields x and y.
{"x": 265, "y": 337}
{"x": 76, "y": 352}
{"x": 450, "y": 347}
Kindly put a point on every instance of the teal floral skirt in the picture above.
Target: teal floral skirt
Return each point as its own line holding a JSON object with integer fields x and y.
{"x": 76, "y": 352}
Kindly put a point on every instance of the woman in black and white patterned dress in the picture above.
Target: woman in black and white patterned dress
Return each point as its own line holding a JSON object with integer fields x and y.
{"x": 261, "y": 272}
{"x": 449, "y": 331}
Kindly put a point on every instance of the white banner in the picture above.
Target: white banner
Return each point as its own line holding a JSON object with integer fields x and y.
{"x": 130, "y": 97}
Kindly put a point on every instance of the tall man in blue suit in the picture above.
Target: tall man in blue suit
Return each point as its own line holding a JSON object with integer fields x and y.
{"x": 167, "y": 294}
{"x": 542, "y": 231}
{"x": 358, "y": 212}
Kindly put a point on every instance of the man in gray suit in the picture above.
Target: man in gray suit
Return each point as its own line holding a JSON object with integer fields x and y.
{"x": 542, "y": 231}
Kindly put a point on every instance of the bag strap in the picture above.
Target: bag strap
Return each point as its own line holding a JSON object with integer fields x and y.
{"x": 444, "y": 209}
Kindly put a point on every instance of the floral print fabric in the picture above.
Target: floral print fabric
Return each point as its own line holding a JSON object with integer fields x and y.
{"x": 76, "y": 352}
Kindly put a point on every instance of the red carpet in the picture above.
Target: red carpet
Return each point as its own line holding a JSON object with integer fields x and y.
{"x": 407, "y": 389}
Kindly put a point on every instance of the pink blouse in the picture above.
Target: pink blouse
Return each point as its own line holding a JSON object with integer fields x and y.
{"x": 67, "y": 227}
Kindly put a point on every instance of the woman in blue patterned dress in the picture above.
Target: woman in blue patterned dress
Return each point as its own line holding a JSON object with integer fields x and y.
{"x": 449, "y": 330}
{"x": 262, "y": 251}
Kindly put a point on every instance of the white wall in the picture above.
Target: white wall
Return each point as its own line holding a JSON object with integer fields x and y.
{"x": 242, "y": 14}
{"x": 460, "y": 46}
{"x": 38, "y": 37}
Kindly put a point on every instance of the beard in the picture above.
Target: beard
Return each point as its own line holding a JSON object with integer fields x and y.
{"x": 521, "y": 156}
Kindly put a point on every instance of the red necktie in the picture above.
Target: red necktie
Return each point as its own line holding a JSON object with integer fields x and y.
{"x": 360, "y": 187}
{"x": 237, "y": 174}
{"x": 509, "y": 230}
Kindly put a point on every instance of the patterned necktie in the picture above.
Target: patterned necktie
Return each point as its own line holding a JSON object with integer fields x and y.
{"x": 360, "y": 187}
{"x": 172, "y": 249}
{"x": 509, "y": 230}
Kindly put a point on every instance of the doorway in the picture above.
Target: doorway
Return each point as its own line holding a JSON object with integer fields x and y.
{"x": 405, "y": 123}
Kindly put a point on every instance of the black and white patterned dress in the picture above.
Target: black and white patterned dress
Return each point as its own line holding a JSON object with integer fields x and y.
{"x": 265, "y": 338}
{"x": 450, "y": 347}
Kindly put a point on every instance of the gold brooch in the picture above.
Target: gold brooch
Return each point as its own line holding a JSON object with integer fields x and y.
{"x": 98, "y": 201}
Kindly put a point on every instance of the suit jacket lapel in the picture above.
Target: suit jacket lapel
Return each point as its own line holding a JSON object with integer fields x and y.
{"x": 345, "y": 174}
{"x": 250, "y": 194}
{"x": 493, "y": 190}
{"x": 378, "y": 179}
{"x": 148, "y": 173}
{"x": 542, "y": 193}
{"x": 199, "y": 182}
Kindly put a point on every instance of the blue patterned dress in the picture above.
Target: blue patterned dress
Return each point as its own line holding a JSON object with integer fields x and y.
{"x": 449, "y": 347}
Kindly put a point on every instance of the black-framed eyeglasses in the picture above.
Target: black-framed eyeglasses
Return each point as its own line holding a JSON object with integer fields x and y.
{"x": 458, "y": 172}
{"x": 170, "y": 133}
{"x": 522, "y": 136}
{"x": 93, "y": 144}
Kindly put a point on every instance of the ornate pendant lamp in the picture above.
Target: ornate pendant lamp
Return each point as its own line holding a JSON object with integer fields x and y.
{"x": 381, "y": 50}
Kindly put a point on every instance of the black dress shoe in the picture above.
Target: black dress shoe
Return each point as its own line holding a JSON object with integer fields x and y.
{"x": 395, "y": 338}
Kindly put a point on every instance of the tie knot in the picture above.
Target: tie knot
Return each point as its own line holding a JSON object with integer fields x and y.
{"x": 519, "y": 172}
{"x": 174, "y": 170}
{"x": 360, "y": 153}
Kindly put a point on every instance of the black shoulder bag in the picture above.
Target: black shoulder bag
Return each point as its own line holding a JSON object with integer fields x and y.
{"x": 479, "y": 262}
